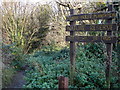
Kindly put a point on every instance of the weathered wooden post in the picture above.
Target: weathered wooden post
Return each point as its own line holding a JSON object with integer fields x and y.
{"x": 72, "y": 51}
{"x": 63, "y": 83}
{"x": 109, "y": 52}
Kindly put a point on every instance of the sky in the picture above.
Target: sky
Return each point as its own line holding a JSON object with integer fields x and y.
{"x": 28, "y": 0}
{"x": 44, "y": 1}
{"x": 41, "y": 1}
{"x": 47, "y": 1}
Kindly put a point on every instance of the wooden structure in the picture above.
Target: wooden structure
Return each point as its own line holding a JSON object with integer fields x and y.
{"x": 108, "y": 40}
{"x": 63, "y": 83}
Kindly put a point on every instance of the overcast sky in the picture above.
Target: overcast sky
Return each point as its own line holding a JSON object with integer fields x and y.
{"x": 44, "y": 1}
{"x": 47, "y": 1}
{"x": 41, "y": 1}
{"x": 31, "y": 1}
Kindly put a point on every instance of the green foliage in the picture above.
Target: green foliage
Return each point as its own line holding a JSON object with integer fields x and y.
{"x": 89, "y": 67}
{"x": 6, "y": 53}
{"x": 62, "y": 54}
{"x": 13, "y": 60}
{"x": 96, "y": 50}
{"x": 19, "y": 58}
{"x": 7, "y": 75}
{"x": 51, "y": 48}
{"x": 45, "y": 68}
{"x": 7, "y": 70}
{"x": 13, "y": 56}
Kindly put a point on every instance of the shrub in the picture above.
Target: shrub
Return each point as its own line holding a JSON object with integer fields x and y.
{"x": 19, "y": 58}
{"x": 13, "y": 56}
{"x": 45, "y": 69}
{"x": 27, "y": 29}
{"x": 51, "y": 48}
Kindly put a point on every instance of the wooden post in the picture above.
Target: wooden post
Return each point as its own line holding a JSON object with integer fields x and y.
{"x": 109, "y": 53}
{"x": 72, "y": 52}
{"x": 63, "y": 83}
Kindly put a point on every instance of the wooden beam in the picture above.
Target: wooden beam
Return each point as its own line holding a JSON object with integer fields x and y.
{"x": 91, "y": 16}
{"x": 94, "y": 27}
{"x": 105, "y": 39}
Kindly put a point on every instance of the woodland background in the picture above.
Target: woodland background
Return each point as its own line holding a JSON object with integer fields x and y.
{"x": 33, "y": 38}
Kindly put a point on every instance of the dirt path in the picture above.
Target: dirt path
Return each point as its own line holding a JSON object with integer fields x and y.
{"x": 18, "y": 80}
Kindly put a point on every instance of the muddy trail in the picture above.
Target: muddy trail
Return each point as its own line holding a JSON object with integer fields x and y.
{"x": 18, "y": 80}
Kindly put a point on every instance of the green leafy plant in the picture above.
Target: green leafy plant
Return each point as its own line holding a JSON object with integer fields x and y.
{"x": 19, "y": 59}
{"x": 45, "y": 68}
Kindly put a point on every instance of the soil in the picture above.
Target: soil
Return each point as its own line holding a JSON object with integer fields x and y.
{"x": 18, "y": 80}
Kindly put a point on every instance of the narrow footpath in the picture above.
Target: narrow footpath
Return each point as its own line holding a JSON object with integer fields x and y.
{"x": 18, "y": 80}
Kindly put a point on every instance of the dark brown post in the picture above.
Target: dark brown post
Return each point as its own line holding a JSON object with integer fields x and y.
{"x": 109, "y": 53}
{"x": 63, "y": 83}
{"x": 72, "y": 52}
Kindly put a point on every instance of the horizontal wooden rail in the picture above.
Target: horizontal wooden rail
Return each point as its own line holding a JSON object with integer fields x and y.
{"x": 105, "y": 39}
{"x": 91, "y": 16}
{"x": 94, "y": 27}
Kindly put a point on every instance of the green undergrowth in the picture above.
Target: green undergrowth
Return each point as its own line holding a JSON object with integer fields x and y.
{"x": 44, "y": 69}
{"x": 7, "y": 76}
{"x": 13, "y": 60}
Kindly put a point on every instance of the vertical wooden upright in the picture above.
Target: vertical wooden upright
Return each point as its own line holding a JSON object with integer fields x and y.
{"x": 72, "y": 51}
{"x": 109, "y": 52}
{"x": 63, "y": 83}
